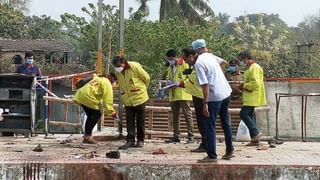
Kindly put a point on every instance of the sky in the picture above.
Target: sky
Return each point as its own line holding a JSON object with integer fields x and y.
{"x": 290, "y": 11}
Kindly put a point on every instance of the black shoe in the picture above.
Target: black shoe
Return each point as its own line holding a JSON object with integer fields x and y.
{"x": 199, "y": 149}
{"x": 228, "y": 155}
{"x": 172, "y": 140}
{"x": 207, "y": 160}
{"x": 139, "y": 144}
{"x": 127, "y": 145}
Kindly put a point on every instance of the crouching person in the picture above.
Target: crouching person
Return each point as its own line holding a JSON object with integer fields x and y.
{"x": 91, "y": 94}
{"x": 133, "y": 81}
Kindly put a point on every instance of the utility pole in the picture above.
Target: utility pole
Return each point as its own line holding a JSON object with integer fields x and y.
{"x": 121, "y": 53}
{"x": 121, "y": 4}
{"x": 99, "y": 55}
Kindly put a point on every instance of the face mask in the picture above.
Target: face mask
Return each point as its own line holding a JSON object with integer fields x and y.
{"x": 29, "y": 60}
{"x": 118, "y": 69}
{"x": 172, "y": 62}
{"x": 232, "y": 69}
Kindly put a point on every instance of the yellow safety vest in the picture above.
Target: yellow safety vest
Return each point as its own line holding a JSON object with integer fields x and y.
{"x": 96, "y": 92}
{"x": 175, "y": 75}
{"x": 253, "y": 89}
{"x": 192, "y": 85}
{"x": 133, "y": 83}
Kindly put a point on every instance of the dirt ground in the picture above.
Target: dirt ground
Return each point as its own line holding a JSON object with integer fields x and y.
{"x": 64, "y": 148}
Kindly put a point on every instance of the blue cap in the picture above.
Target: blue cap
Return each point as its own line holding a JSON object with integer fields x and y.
{"x": 199, "y": 43}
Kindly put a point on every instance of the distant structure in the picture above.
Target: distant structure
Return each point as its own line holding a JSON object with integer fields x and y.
{"x": 53, "y": 51}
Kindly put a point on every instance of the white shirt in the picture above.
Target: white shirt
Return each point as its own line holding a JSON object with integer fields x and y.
{"x": 209, "y": 72}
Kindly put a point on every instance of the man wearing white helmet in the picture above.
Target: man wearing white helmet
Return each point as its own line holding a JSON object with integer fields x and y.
{"x": 216, "y": 99}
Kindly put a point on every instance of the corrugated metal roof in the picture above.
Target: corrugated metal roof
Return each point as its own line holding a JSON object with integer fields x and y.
{"x": 52, "y": 45}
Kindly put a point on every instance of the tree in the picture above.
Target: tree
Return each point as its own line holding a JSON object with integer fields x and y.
{"x": 255, "y": 34}
{"x": 193, "y": 11}
{"x": 42, "y": 27}
{"x": 20, "y": 5}
{"x": 11, "y": 22}
{"x": 83, "y": 33}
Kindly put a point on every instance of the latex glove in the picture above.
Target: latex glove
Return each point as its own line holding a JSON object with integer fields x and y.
{"x": 169, "y": 82}
{"x": 116, "y": 117}
{"x": 180, "y": 84}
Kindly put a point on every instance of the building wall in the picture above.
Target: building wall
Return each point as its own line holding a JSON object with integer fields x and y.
{"x": 290, "y": 110}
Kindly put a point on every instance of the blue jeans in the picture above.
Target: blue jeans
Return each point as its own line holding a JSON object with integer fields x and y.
{"x": 248, "y": 117}
{"x": 221, "y": 108}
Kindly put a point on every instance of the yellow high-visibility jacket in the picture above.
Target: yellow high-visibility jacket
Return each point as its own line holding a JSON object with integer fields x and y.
{"x": 192, "y": 85}
{"x": 96, "y": 92}
{"x": 253, "y": 89}
{"x": 133, "y": 83}
{"x": 178, "y": 93}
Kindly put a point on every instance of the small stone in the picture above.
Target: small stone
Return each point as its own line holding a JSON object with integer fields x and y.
{"x": 38, "y": 148}
{"x": 113, "y": 154}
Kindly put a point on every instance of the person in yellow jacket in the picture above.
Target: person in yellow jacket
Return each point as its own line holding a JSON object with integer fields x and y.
{"x": 91, "y": 94}
{"x": 253, "y": 94}
{"x": 178, "y": 97}
{"x": 133, "y": 81}
{"x": 193, "y": 87}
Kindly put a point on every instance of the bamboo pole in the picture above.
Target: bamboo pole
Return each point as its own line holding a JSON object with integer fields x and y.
{"x": 61, "y": 123}
{"x": 157, "y": 108}
{"x": 67, "y": 76}
{"x": 150, "y": 123}
{"x": 197, "y": 135}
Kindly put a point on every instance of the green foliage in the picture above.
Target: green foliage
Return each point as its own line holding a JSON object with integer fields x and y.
{"x": 11, "y": 22}
{"x": 147, "y": 42}
{"x": 83, "y": 34}
{"x": 257, "y": 33}
{"x": 42, "y": 27}
{"x": 15, "y": 25}
{"x": 191, "y": 11}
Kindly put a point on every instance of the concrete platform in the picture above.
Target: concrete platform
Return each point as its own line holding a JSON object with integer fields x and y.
{"x": 74, "y": 160}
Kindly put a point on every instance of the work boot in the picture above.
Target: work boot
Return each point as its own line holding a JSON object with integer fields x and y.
{"x": 139, "y": 144}
{"x": 127, "y": 145}
{"x": 172, "y": 140}
{"x": 228, "y": 155}
{"x": 207, "y": 159}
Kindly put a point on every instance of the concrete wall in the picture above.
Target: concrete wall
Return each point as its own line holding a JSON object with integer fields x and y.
{"x": 103, "y": 171}
{"x": 290, "y": 110}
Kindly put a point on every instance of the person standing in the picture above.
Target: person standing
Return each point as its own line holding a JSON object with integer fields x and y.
{"x": 216, "y": 99}
{"x": 28, "y": 68}
{"x": 178, "y": 97}
{"x": 91, "y": 95}
{"x": 253, "y": 95}
{"x": 133, "y": 81}
{"x": 193, "y": 87}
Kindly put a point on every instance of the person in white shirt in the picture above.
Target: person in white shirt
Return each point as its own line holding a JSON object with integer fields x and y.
{"x": 216, "y": 99}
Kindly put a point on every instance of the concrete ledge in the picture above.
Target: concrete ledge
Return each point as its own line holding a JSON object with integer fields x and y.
{"x": 99, "y": 171}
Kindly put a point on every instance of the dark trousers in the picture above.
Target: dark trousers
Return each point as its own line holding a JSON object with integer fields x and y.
{"x": 221, "y": 108}
{"x": 93, "y": 117}
{"x": 135, "y": 119}
{"x": 198, "y": 106}
{"x": 248, "y": 117}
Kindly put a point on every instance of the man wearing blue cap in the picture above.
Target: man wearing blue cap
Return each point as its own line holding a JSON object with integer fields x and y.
{"x": 216, "y": 99}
